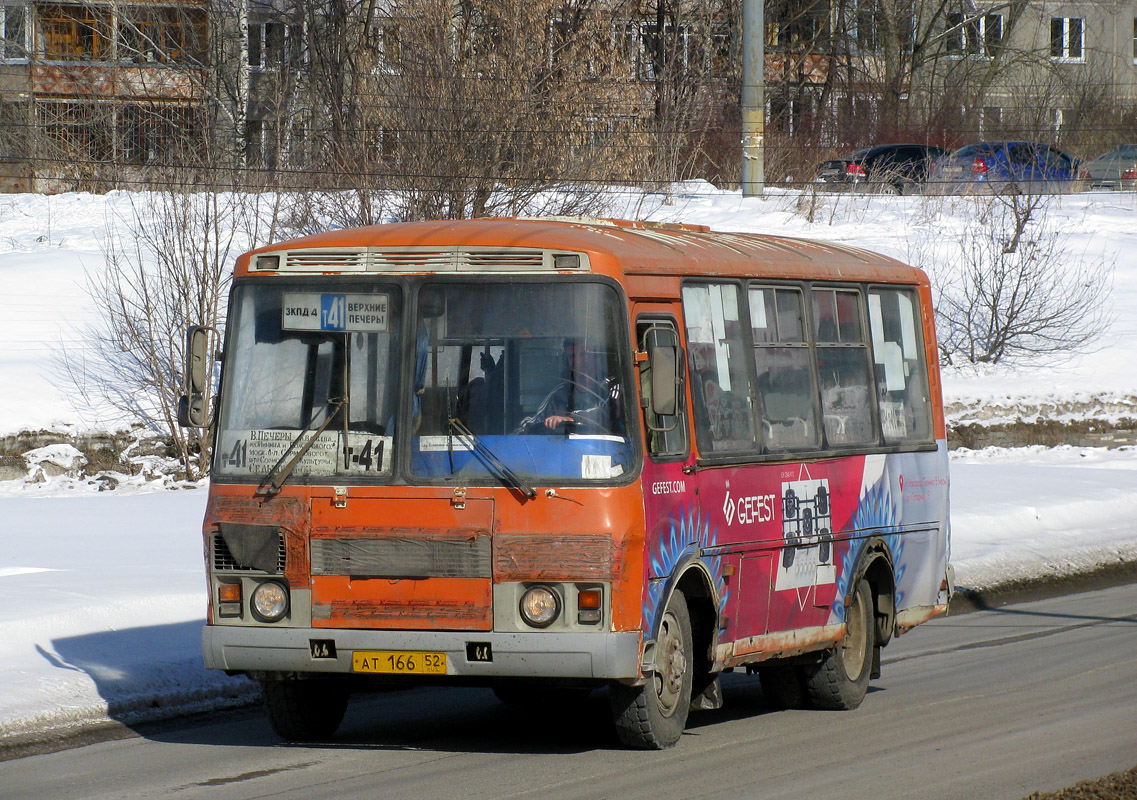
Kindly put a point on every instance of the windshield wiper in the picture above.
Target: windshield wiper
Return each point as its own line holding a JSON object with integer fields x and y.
{"x": 490, "y": 458}
{"x": 276, "y": 477}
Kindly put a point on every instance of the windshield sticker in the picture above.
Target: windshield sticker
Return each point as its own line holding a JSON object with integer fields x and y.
{"x": 596, "y": 467}
{"x": 335, "y": 313}
{"x": 442, "y": 444}
{"x": 256, "y": 452}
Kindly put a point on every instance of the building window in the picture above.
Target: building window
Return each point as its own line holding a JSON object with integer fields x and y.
{"x": 13, "y": 33}
{"x": 974, "y": 36}
{"x": 385, "y": 40}
{"x": 76, "y": 131}
{"x": 651, "y": 53}
{"x": 159, "y": 35}
{"x": 75, "y": 33}
{"x": 1067, "y": 38}
{"x": 873, "y": 25}
{"x": 794, "y": 29}
{"x": 155, "y": 133}
{"x": 268, "y": 44}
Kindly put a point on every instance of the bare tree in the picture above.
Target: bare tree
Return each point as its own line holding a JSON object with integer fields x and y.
{"x": 167, "y": 265}
{"x": 1010, "y": 289}
{"x": 451, "y": 108}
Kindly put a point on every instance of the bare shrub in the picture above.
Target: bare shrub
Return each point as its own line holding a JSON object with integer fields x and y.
{"x": 1011, "y": 290}
{"x": 167, "y": 265}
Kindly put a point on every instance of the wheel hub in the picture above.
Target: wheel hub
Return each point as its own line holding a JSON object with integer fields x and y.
{"x": 671, "y": 666}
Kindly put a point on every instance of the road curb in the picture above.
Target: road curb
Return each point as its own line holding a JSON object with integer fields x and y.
{"x": 1022, "y": 590}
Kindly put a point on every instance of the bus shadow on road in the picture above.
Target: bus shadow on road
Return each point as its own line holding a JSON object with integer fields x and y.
{"x": 144, "y": 675}
{"x": 152, "y": 681}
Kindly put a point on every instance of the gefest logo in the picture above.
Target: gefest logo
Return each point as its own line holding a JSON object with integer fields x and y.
{"x": 750, "y": 509}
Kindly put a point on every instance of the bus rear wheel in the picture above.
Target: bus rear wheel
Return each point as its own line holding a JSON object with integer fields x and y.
{"x": 841, "y": 679}
{"x": 652, "y": 716}
{"x": 305, "y": 710}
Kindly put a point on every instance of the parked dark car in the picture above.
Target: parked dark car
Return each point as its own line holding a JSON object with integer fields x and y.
{"x": 1014, "y": 167}
{"x": 1116, "y": 169}
{"x": 899, "y": 168}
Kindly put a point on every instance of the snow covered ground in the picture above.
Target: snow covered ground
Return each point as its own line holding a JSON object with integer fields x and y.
{"x": 102, "y": 594}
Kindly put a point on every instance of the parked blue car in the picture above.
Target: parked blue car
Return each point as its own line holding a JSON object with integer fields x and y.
{"x": 1012, "y": 167}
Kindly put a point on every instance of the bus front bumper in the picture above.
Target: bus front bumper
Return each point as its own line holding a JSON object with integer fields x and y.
{"x": 469, "y": 654}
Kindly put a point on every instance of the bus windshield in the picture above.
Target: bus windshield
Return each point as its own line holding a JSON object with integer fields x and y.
{"x": 530, "y": 374}
{"x": 298, "y": 356}
{"x": 502, "y": 381}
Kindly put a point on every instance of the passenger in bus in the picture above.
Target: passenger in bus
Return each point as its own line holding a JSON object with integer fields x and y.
{"x": 583, "y": 402}
{"x": 479, "y": 403}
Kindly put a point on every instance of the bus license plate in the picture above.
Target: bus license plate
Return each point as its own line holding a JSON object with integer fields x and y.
{"x": 398, "y": 662}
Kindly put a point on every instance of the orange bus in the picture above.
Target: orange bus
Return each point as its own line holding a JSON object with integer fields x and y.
{"x": 550, "y": 456}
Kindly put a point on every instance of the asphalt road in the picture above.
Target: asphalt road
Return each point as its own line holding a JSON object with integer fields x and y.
{"x": 992, "y": 704}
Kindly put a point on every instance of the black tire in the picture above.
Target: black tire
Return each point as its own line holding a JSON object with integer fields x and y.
{"x": 841, "y": 679}
{"x": 653, "y": 716}
{"x": 305, "y": 710}
{"x": 783, "y": 686}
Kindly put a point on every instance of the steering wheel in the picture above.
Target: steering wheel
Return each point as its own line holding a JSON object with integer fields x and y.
{"x": 528, "y": 425}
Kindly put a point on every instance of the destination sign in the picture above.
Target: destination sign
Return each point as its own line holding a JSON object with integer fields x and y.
{"x": 256, "y": 452}
{"x": 337, "y": 313}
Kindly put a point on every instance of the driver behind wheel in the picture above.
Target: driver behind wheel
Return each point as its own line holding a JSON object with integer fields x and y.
{"x": 586, "y": 401}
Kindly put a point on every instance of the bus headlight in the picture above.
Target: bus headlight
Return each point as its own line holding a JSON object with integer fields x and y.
{"x": 270, "y": 601}
{"x": 540, "y": 606}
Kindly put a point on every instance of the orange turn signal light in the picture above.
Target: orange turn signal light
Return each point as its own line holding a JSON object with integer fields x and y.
{"x": 589, "y": 599}
{"x": 229, "y": 593}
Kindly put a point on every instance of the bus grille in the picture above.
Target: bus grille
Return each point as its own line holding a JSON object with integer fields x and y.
{"x": 223, "y": 560}
{"x": 418, "y": 260}
{"x": 319, "y": 260}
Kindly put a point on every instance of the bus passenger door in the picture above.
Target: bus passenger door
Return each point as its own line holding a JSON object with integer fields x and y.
{"x": 671, "y": 504}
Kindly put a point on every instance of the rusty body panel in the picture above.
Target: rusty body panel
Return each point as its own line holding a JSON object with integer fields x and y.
{"x": 780, "y": 644}
{"x": 289, "y": 512}
{"x": 406, "y": 557}
{"x": 557, "y": 556}
{"x": 417, "y": 604}
{"x": 909, "y": 618}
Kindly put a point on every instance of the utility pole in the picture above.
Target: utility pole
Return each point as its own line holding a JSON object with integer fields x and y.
{"x": 753, "y": 98}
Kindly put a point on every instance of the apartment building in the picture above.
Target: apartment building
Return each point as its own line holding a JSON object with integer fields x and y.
{"x": 97, "y": 84}
{"x": 1060, "y": 67}
{"x": 101, "y": 93}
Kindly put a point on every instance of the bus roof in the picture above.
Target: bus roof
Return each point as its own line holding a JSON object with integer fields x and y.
{"x": 614, "y": 247}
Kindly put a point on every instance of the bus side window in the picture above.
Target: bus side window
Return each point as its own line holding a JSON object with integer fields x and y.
{"x": 787, "y": 407}
{"x": 843, "y": 367}
{"x": 720, "y": 375}
{"x": 666, "y": 434}
{"x": 901, "y": 372}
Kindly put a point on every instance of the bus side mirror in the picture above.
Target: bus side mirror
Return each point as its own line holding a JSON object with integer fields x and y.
{"x": 193, "y": 412}
{"x": 664, "y": 386}
{"x": 663, "y": 360}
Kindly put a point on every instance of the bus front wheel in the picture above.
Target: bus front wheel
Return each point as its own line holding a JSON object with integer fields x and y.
{"x": 840, "y": 680}
{"x": 305, "y": 710}
{"x": 653, "y": 716}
